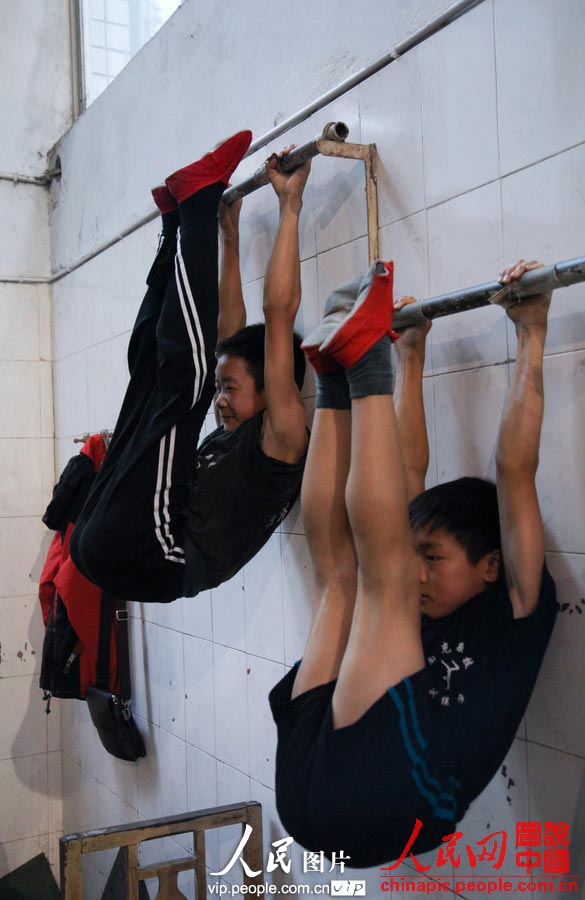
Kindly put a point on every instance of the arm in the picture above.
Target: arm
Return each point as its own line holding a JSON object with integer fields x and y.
{"x": 284, "y": 433}
{"x": 232, "y": 312}
{"x": 517, "y": 452}
{"x": 410, "y": 410}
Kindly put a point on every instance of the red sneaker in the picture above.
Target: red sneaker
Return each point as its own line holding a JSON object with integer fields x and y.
{"x": 164, "y": 199}
{"x": 215, "y": 166}
{"x": 369, "y": 319}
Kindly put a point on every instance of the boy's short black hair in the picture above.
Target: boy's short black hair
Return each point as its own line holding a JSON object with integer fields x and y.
{"x": 467, "y": 509}
{"x": 248, "y": 343}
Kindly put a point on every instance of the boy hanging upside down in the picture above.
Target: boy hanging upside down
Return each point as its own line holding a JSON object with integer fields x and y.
{"x": 164, "y": 518}
{"x": 432, "y": 619}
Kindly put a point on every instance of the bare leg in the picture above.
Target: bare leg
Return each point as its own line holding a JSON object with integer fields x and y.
{"x": 331, "y": 546}
{"x": 384, "y": 644}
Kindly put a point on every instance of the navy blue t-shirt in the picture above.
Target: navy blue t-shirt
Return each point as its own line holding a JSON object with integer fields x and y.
{"x": 481, "y": 666}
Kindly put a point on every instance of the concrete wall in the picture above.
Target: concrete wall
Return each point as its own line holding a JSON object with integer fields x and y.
{"x": 482, "y": 152}
{"x": 36, "y": 106}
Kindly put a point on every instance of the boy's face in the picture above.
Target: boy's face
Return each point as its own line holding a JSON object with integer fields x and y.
{"x": 447, "y": 578}
{"x": 237, "y": 399}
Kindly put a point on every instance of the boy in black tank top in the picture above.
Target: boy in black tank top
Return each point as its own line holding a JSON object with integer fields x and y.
{"x": 140, "y": 534}
{"x": 434, "y": 609}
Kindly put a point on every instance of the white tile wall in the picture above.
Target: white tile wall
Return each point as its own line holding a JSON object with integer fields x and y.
{"x": 262, "y": 676}
{"x": 25, "y": 232}
{"x": 20, "y": 406}
{"x": 25, "y": 541}
{"x": 405, "y": 242}
{"x": 231, "y": 707}
{"x": 22, "y": 637}
{"x": 171, "y": 680}
{"x": 470, "y": 177}
{"x": 339, "y": 265}
{"x": 24, "y": 731}
{"x": 25, "y": 777}
{"x": 107, "y": 376}
{"x": 340, "y": 211}
{"x": 466, "y": 443}
{"x": 229, "y": 617}
{"x": 263, "y": 603}
{"x": 460, "y": 146}
{"x": 466, "y": 249}
{"x": 30, "y": 742}
{"x": 550, "y": 718}
{"x": 501, "y": 805}
{"x": 563, "y": 431}
{"x": 199, "y": 694}
{"x": 390, "y": 108}
{"x": 19, "y": 322}
{"x": 538, "y": 79}
{"x": 543, "y": 213}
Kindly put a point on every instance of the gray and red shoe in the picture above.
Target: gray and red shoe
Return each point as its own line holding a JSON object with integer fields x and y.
{"x": 357, "y": 315}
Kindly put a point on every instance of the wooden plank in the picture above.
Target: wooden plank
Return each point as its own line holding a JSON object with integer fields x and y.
{"x": 72, "y": 846}
{"x": 71, "y": 874}
{"x": 132, "y": 871}
{"x": 132, "y": 832}
{"x": 163, "y": 868}
{"x": 168, "y": 888}
{"x": 254, "y": 849}
{"x": 201, "y": 870}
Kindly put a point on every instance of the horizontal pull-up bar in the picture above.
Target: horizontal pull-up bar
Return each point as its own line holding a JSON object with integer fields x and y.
{"x": 548, "y": 278}
{"x": 333, "y": 131}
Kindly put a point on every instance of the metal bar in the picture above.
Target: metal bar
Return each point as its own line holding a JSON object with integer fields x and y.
{"x": 87, "y": 257}
{"x": 76, "y": 55}
{"x": 549, "y": 278}
{"x": 333, "y": 131}
{"x": 336, "y": 131}
{"x": 39, "y": 180}
{"x": 25, "y": 279}
{"x": 372, "y": 204}
{"x": 450, "y": 14}
{"x": 369, "y": 156}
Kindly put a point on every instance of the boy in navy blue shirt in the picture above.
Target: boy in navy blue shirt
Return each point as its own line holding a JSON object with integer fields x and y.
{"x": 434, "y": 608}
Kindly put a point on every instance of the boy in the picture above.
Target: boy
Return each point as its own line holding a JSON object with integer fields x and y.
{"x": 164, "y": 520}
{"x": 389, "y": 718}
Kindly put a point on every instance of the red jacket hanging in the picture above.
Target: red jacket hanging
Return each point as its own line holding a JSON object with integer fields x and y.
{"x": 71, "y": 604}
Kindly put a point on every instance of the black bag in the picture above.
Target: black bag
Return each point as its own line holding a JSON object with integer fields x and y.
{"x": 111, "y": 713}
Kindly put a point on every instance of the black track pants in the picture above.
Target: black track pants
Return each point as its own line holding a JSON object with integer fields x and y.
{"x": 129, "y": 536}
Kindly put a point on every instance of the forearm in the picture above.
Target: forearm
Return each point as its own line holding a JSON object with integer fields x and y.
{"x": 282, "y": 285}
{"x": 410, "y": 412}
{"x": 519, "y": 437}
{"x": 232, "y": 312}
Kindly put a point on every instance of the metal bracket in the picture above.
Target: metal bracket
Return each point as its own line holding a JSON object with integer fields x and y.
{"x": 369, "y": 155}
{"x": 330, "y": 143}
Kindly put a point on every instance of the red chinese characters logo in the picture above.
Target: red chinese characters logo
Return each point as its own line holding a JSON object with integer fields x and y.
{"x": 552, "y": 837}
{"x": 543, "y": 845}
